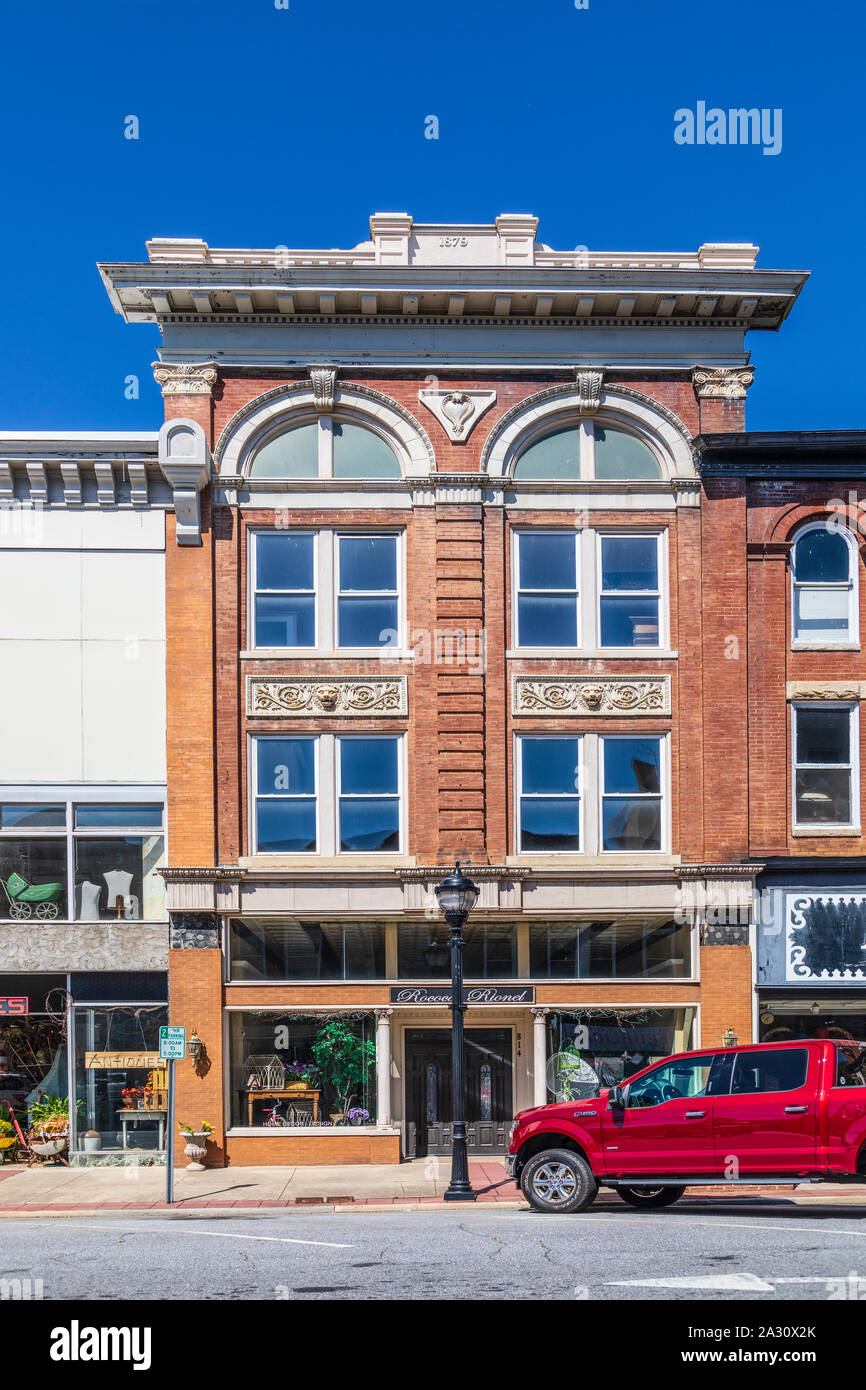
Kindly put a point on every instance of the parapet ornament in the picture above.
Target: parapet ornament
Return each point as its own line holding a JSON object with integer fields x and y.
{"x": 597, "y": 695}
{"x": 340, "y": 698}
{"x": 185, "y": 378}
{"x": 722, "y": 383}
{"x": 458, "y": 412}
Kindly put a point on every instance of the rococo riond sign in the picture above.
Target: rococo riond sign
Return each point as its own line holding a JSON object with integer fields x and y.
{"x": 475, "y": 994}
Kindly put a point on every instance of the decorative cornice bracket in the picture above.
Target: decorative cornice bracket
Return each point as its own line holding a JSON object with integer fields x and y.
{"x": 184, "y": 458}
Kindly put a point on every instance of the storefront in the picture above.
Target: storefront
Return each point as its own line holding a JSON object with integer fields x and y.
{"x": 811, "y": 957}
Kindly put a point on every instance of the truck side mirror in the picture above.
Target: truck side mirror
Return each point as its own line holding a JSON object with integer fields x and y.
{"x": 616, "y": 1098}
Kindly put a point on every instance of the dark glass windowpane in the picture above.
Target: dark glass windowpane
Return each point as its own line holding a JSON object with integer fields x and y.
{"x": 550, "y": 765}
{"x": 630, "y": 622}
{"x": 823, "y": 795}
{"x": 369, "y": 823}
{"x": 265, "y": 950}
{"x": 368, "y": 766}
{"x": 632, "y": 764}
{"x": 546, "y": 620}
{"x": 556, "y": 455}
{"x": 293, "y": 454}
{"x": 286, "y": 766}
{"x": 821, "y": 557}
{"x": 620, "y": 455}
{"x": 285, "y": 620}
{"x": 489, "y": 952}
{"x": 631, "y": 823}
{"x": 33, "y": 878}
{"x": 629, "y": 562}
{"x": 284, "y": 826}
{"x": 547, "y": 561}
{"x": 367, "y": 622}
{"x": 117, "y": 878}
{"x": 549, "y": 823}
{"x": 368, "y": 562}
{"x": 285, "y": 561}
{"x": 360, "y": 453}
{"x": 823, "y": 736}
{"x": 32, "y": 815}
{"x": 94, "y": 815}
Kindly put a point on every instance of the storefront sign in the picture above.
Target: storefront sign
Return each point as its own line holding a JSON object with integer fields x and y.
{"x": 13, "y": 1004}
{"x": 172, "y": 1044}
{"x": 473, "y": 994}
{"x": 121, "y": 1061}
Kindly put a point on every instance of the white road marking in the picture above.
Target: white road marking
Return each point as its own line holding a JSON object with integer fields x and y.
{"x": 727, "y": 1283}
{"x": 226, "y": 1235}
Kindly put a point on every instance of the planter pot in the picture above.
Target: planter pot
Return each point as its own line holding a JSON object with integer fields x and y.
{"x": 195, "y": 1149}
{"x": 338, "y": 1119}
{"x": 47, "y": 1148}
{"x": 298, "y": 1086}
{"x": 358, "y": 1122}
{"x": 92, "y": 1143}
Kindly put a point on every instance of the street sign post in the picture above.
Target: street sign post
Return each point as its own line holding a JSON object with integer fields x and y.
{"x": 172, "y": 1048}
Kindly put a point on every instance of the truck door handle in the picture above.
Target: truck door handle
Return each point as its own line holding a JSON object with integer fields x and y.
{"x": 695, "y": 1114}
{"x": 796, "y": 1109}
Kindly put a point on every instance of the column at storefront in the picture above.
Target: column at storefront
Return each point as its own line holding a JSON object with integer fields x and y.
{"x": 383, "y": 1066}
{"x": 539, "y": 1056}
{"x": 195, "y": 1002}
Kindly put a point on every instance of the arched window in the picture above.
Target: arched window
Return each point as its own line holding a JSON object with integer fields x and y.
{"x": 588, "y": 450}
{"x": 824, "y": 592}
{"x": 325, "y": 448}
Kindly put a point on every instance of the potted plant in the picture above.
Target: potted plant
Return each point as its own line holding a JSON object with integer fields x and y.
{"x": 344, "y": 1061}
{"x": 130, "y": 1096}
{"x": 8, "y": 1141}
{"x": 196, "y": 1145}
{"x": 358, "y": 1116}
{"x": 49, "y": 1121}
{"x": 302, "y": 1076}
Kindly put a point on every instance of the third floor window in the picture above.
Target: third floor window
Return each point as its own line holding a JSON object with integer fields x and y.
{"x": 319, "y": 590}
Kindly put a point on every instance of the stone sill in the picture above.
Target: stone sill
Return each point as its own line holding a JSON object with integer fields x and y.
{"x": 850, "y": 832}
{"x": 264, "y": 864}
{"x": 307, "y": 1131}
{"x": 592, "y": 654}
{"x": 394, "y": 657}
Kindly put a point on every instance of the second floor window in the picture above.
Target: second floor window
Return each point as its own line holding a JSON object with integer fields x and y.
{"x": 321, "y": 590}
{"x": 826, "y": 778}
{"x": 327, "y": 794}
{"x": 628, "y": 591}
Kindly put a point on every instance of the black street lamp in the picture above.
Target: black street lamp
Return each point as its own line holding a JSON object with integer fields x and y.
{"x": 457, "y": 895}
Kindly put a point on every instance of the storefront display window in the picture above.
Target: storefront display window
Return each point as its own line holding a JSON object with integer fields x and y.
{"x": 87, "y": 862}
{"x": 32, "y": 1044}
{"x": 612, "y": 1044}
{"x": 117, "y": 1078}
{"x": 303, "y": 1070}
{"x": 786, "y": 1020}
{"x": 489, "y": 952}
{"x": 264, "y": 950}
{"x": 634, "y": 949}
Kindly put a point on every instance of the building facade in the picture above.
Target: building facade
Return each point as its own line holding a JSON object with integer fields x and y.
{"x": 458, "y": 548}
{"x": 432, "y": 593}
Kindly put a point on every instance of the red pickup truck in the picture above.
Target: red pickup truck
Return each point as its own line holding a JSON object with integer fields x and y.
{"x": 771, "y": 1113}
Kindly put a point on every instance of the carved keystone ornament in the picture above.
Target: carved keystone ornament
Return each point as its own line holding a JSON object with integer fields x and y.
{"x": 458, "y": 412}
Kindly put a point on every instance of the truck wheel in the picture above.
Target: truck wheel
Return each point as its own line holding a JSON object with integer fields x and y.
{"x": 650, "y": 1196}
{"x": 558, "y": 1180}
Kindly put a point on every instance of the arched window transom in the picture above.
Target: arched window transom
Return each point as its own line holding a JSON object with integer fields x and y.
{"x": 326, "y": 447}
{"x": 588, "y": 450}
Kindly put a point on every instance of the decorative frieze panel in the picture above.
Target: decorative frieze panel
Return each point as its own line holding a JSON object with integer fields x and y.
{"x": 594, "y": 695}
{"x": 341, "y": 698}
{"x": 198, "y": 931}
{"x": 722, "y": 383}
{"x": 824, "y": 690}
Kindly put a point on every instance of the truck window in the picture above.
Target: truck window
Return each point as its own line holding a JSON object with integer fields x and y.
{"x": 676, "y": 1080}
{"x": 850, "y": 1065}
{"x": 782, "y": 1069}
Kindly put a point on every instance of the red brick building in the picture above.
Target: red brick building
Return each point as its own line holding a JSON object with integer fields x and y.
{"x": 441, "y": 581}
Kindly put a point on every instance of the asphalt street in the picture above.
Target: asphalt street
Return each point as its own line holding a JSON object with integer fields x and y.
{"x": 750, "y": 1252}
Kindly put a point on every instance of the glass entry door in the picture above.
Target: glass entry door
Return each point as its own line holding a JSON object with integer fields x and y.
{"x": 428, "y": 1090}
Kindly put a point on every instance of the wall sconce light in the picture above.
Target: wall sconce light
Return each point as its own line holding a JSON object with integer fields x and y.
{"x": 815, "y": 1009}
{"x": 730, "y": 1038}
{"x": 194, "y": 1047}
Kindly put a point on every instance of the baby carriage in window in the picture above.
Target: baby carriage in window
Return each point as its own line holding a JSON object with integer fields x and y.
{"x": 32, "y": 899}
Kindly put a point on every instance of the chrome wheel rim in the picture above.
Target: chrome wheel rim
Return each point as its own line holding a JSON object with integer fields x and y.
{"x": 554, "y": 1183}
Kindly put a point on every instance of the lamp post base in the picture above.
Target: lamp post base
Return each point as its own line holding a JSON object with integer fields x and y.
{"x": 458, "y": 1192}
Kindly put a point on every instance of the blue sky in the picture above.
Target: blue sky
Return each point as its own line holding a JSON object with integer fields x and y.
{"x": 261, "y": 126}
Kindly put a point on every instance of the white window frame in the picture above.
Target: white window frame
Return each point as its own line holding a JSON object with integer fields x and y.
{"x": 341, "y": 533}
{"x": 518, "y": 589}
{"x": 819, "y": 828}
{"x": 256, "y": 740}
{"x": 327, "y": 795}
{"x": 851, "y": 640}
{"x": 579, "y": 794}
{"x": 325, "y": 443}
{"x": 254, "y": 589}
{"x": 659, "y": 593}
{"x": 400, "y": 740}
{"x": 325, "y": 594}
{"x": 663, "y": 794}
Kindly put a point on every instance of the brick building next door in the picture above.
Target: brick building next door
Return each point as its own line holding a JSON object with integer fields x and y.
{"x": 489, "y": 1092}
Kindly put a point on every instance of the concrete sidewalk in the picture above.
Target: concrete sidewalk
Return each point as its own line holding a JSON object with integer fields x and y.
{"x": 419, "y": 1183}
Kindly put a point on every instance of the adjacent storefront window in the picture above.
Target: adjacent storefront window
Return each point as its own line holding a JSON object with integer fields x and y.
{"x": 119, "y": 1082}
{"x": 636, "y": 949}
{"x": 489, "y": 951}
{"x": 302, "y": 1070}
{"x": 82, "y": 861}
{"x": 266, "y": 950}
{"x": 590, "y": 1047}
{"x": 32, "y": 1041}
